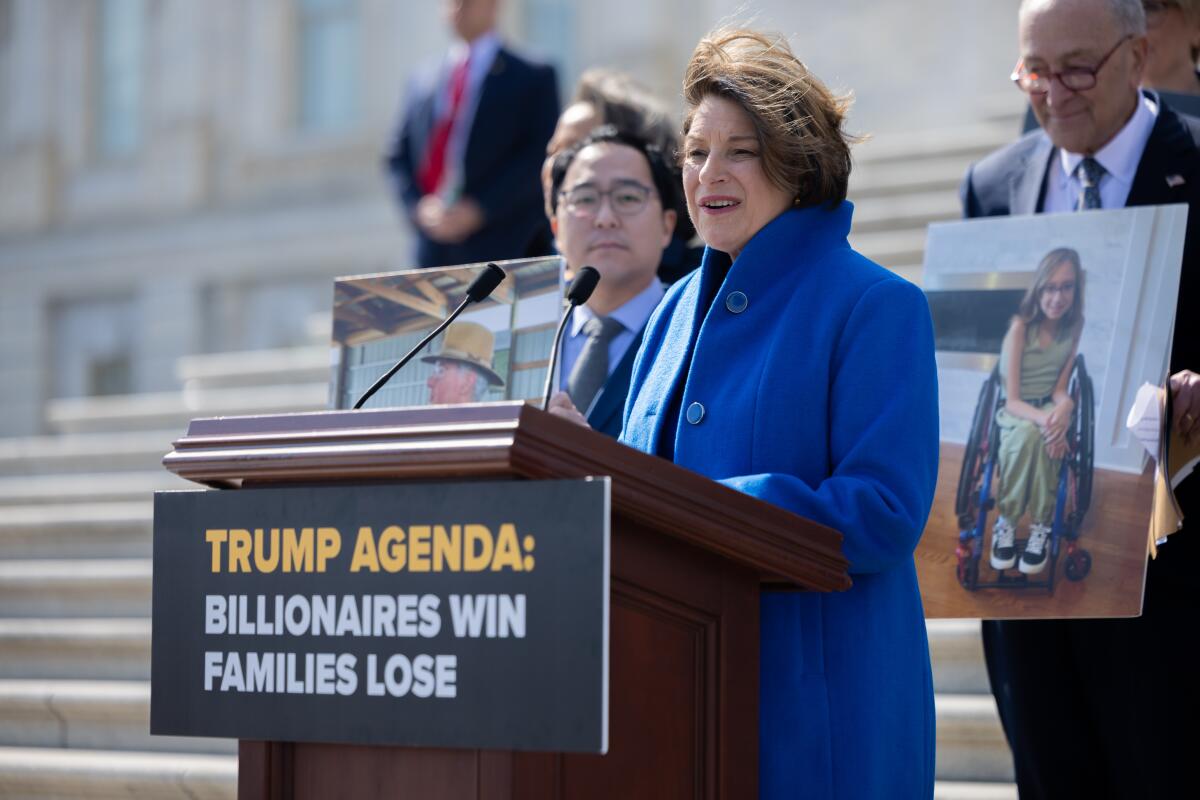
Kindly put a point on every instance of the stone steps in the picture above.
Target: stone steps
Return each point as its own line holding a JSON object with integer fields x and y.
{"x": 899, "y": 250}
{"x": 98, "y": 487}
{"x": 76, "y": 648}
{"x": 970, "y": 741}
{"x": 88, "y": 453}
{"x": 37, "y": 772}
{"x": 173, "y": 410}
{"x": 76, "y": 530}
{"x": 292, "y": 365}
{"x": 905, "y": 212}
{"x": 973, "y": 790}
{"x": 891, "y": 178}
{"x": 87, "y": 714}
{"x": 956, "y": 651}
{"x": 33, "y": 772}
{"x": 968, "y": 142}
{"x": 75, "y": 588}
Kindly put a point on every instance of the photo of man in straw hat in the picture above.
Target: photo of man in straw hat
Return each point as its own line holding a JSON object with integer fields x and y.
{"x": 463, "y": 367}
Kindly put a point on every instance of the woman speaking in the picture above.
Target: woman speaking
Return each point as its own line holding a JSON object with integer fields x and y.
{"x": 793, "y": 369}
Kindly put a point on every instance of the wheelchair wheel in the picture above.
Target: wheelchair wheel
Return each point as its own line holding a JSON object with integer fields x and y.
{"x": 975, "y": 454}
{"x": 1088, "y": 443}
{"x": 1083, "y": 437}
{"x": 968, "y": 573}
{"x": 1078, "y": 565}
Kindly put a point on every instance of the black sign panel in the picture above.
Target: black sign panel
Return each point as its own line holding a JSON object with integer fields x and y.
{"x": 433, "y": 614}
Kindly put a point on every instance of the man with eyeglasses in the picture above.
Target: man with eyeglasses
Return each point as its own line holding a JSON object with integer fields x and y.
{"x": 1102, "y": 708}
{"x": 613, "y": 199}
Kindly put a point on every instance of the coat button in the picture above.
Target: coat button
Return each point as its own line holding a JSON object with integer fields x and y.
{"x": 736, "y": 302}
{"x": 695, "y": 413}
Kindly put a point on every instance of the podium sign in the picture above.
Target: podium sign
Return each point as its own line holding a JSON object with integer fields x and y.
{"x": 462, "y": 615}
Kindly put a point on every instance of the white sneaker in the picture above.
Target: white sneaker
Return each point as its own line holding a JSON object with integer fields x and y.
{"x": 1004, "y": 547}
{"x": 1033, "y": 560}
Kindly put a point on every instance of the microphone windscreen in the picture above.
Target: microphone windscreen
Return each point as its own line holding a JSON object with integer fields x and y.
{"x": 485, "y": 283}
{"x": 582, "y": 287}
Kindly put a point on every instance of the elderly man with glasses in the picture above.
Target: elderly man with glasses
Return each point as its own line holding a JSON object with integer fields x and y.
{"x": 1102, "y": 708}
{"x": 613, "y": 197}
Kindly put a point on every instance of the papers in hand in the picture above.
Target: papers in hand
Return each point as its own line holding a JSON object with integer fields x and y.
{"x": 1149, "y": 420}
{"x": 1146, "y": 417}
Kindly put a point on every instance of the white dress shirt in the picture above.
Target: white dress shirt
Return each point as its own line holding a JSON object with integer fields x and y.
{"x": 1119, "y": 158}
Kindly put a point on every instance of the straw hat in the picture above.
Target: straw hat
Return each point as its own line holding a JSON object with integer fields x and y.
{"x": 468, "y": 343}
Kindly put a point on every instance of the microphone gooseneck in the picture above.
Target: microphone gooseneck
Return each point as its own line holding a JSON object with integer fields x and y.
{"x": 484, "y": 284}
{"x": 578, "y": 292}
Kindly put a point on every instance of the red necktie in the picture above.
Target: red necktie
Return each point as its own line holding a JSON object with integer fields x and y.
{"x": 434, "y": 166}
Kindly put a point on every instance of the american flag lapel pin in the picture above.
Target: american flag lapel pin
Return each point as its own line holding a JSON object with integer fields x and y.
{"x": 1175, "y": 180}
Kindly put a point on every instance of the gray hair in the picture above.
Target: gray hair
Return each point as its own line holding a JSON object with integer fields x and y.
{"x": 1128, "y": 14}
{"x": 482, "y": 385}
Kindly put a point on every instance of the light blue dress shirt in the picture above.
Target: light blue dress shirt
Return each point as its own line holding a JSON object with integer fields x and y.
{"x": 632, "y": 315}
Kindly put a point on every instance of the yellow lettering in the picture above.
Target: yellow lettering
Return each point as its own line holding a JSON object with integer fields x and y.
{"x": 391, "y": 548}
{"x": 508, "y": 552}
{"x": 329, "y": 544}
{"x": 479, "y": 548}
{"x": 364, "y": 551}
{"x": 447, "y": 550}
{"x": 297, "y": 550}
{"x": 216, "y": 538}
{"x": 239, "y": 550}
{"x": 418, "y": 548}
{"x": 261, "y": 561}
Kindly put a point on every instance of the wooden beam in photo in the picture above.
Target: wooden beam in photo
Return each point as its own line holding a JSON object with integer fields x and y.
{"x": 431, "y": 292}
{"x": 419, "y": 304}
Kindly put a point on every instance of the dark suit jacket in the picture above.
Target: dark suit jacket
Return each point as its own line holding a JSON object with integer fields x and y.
{"x": 514, "y": 119}
{"x": 608, "y": 409}
{"x": 1012, "y": 180}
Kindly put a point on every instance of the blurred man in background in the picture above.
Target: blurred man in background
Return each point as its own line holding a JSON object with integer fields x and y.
{"x": 610, "y": 97}
{"x": 466, "y": 158}
{"x": 1173, "y": 30}
{"x": 613, "y": 198}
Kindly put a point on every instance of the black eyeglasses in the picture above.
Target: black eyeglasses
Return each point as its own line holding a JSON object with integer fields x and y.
{"x": 628, "y": 199}
{"x": 1077, "y": 79}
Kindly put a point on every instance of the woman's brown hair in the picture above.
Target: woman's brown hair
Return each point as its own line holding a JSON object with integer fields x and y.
{"x": 1030, "y": 310}
{"x": 797, "y": 120}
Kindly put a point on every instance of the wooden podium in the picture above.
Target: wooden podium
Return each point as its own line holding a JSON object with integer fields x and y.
{"x": 688, "y": 559}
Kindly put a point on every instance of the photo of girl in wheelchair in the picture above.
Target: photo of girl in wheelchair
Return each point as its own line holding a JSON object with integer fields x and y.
{"x": 1035, "y": 410}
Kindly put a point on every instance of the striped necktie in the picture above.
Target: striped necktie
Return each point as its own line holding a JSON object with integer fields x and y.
{"x": 1089, "y": 172}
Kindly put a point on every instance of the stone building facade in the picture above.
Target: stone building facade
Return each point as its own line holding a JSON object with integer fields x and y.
{"x": 182, "y": 177}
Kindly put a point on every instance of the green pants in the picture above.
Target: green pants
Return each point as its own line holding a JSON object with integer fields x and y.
{"x": 1028, "y": 477}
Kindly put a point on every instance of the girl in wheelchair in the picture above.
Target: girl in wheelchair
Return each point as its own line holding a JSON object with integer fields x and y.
{"x": 1035, "y": 366}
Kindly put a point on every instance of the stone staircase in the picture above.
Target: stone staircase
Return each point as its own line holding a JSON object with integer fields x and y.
{"x": 75, "y": 533}
{"x": 901, "y": 182}
{"x": 75, "y": 572}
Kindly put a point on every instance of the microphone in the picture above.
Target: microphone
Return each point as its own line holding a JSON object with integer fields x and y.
{"x": 578, "y": 292}
{"x": 484, "y": 284}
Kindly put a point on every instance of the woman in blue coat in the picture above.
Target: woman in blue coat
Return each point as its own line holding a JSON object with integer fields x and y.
{"x": 794, "y": 369}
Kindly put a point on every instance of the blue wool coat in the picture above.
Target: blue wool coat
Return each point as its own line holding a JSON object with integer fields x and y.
{"x": 820, "y": 396}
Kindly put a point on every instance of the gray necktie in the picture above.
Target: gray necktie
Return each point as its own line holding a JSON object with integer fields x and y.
{"x": 1090, "y": 172}
{"x": 591, "y": 368}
